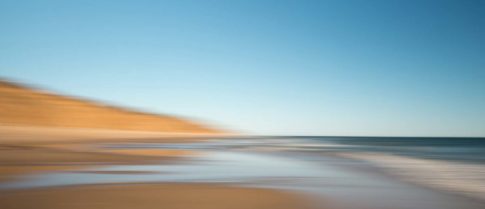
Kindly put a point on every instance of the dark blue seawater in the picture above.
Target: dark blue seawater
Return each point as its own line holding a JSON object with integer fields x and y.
{"x": 444, "y": 148}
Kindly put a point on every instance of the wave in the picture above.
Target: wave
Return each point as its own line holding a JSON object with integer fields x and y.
{"x": 464, "y": 178}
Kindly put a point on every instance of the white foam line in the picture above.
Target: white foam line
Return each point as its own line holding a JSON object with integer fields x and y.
{"x": 467, "y": 179}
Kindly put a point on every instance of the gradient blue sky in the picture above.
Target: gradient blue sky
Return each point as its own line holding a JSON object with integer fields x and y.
{"x": 411, "y": 68}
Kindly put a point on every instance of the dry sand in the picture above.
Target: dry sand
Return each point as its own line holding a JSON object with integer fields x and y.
{"x": 27, "y": 106}
{"x": 48, "y": 135}
{"x": 144, "y": 196}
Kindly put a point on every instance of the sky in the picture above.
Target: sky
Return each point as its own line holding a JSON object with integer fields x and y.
{"x": 365, "y": 68}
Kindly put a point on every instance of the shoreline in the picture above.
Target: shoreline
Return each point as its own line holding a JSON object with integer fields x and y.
{"x": 26, "y": 151}
{"x": 441, "y": 176}
{"x": 347, "y": 182}
{"x": 31, "y": 150}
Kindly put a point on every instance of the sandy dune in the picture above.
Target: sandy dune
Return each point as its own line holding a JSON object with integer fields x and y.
{"x": 20, "y": 105}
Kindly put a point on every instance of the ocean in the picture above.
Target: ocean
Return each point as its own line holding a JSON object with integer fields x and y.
{"x": 453, "y": 164}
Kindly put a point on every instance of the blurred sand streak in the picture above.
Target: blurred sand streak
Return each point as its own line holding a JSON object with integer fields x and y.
{"x": 27, "y": 134}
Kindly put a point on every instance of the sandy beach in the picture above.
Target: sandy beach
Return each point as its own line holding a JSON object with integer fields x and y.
{"x": 242, "y": 104}
{"x": 93, "y": 168}
{"x": 33, "y": 149}
{"x": 25, "y": 150}
{"x": 145, "y": 196}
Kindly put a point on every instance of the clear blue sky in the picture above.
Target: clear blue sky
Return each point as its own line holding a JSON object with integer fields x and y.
{"x": 263, "y": 67}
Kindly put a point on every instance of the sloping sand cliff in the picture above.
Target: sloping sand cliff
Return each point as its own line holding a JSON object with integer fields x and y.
{"x": 24, "y": 106}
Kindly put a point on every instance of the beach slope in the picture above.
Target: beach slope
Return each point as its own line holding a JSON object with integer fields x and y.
{"x": 24, "y": 106}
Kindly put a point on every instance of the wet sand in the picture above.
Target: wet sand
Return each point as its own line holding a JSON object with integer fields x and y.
{"x": 36, "y": 150}
{"x": 25, "y": 150}
{"x": 26, "y": 159}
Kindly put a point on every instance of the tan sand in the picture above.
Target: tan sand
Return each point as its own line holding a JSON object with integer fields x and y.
{"x": 25, "y": 150}
{"x": 22, "y": 159}
{"x": 26, "y": 106}
{"x": 31, "y": 150}
{"x": 41, "y": 131}
{"x": 46, "y": 135}
{"x": 145, "y": 196}
{"x": 44, "y": 132}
